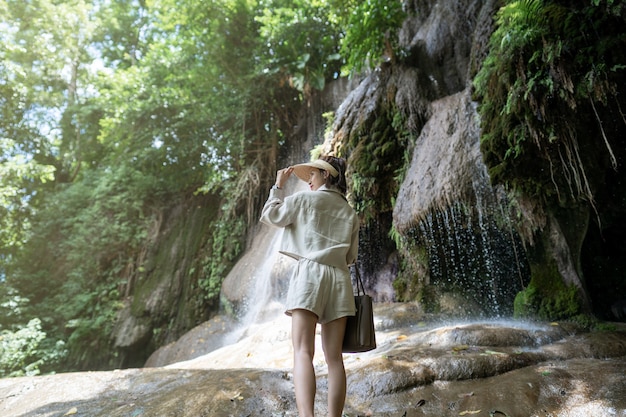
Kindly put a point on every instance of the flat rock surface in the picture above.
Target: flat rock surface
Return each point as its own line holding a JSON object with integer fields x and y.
{"x": 422, "y": 366}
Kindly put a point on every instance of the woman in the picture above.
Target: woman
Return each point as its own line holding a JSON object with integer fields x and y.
{"x": 321, "y": 233}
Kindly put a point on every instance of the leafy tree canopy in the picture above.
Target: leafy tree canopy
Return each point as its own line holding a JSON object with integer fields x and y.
{"x": 111, "y": 110}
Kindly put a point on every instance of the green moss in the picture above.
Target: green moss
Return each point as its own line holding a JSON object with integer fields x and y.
{"x": 400, "y": 287}
{"x": 227, "y": 245}
{"x": 549, "y": 68}
{"x": 605, "y": 327}
{"x": 409, "y": 283}
{"x": 428, "y": 298}
{"x": 547, "y": 297}
{"x": 228, "y": 308}
{"x": 378, "y": 160}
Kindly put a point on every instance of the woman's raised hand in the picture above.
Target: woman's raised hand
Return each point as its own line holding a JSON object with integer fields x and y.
{"x": 282, "y": 175}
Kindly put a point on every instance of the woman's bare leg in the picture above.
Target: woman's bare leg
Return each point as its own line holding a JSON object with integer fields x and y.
{"x": 303, "y": 324}
{"x": 332, "y": 339}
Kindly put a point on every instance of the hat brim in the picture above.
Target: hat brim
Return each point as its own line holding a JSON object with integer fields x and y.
{"x": 303, "y": 171}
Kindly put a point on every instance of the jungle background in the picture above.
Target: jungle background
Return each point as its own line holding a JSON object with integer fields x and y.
{"x": 138, "y": 140}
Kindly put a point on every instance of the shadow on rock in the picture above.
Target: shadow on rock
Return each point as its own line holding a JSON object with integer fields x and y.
{"x": 424, "y": 365}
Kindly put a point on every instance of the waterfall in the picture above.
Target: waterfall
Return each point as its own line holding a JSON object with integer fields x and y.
{"x": 467, "y": 249}
{"x": 447, "y": 207}
{"x": 471, "y": 248}
{"x": 264, "y": 296}
{"x": 257, "y": 286}
{"x": 266, "y": 286}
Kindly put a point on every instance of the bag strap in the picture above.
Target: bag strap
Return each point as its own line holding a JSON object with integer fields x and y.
{"x": 360, "y": 288}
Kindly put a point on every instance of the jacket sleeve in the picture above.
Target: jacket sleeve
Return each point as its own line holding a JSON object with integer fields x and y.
{"x": 278, "y": 211}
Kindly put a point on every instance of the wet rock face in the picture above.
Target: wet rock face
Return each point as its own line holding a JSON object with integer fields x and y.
{"x": 503, "y": 367}
{"x": 149, "y": 392}
{"x": 440, "y": 39}
{"x": 199, "y": 341}
{"x": 446, "y": 164}
{"x": 424, "y": 365}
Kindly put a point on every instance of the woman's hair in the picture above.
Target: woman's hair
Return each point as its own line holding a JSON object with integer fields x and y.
{"x": 339, "y": 181}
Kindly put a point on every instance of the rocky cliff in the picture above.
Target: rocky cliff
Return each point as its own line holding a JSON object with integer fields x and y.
{"x": 433, "y": 227}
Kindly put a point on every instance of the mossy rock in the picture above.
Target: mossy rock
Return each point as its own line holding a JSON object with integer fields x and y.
{"x": 552, "y": 305}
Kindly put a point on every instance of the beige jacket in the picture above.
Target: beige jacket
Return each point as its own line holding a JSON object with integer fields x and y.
{"x": 319, "y": 225}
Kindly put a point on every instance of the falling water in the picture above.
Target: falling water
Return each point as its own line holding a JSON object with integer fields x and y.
{"x": 267, "y": 284}
{"x": 263, "y": 296}
{"x": 264, "y": 300}
{"x": 470, "y": 251}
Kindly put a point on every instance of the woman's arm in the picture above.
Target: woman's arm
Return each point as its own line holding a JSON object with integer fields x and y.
{"x": 277, "y": 210}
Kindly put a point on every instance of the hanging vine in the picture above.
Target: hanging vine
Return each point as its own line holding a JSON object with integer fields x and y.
{"x": 548, "y": 90}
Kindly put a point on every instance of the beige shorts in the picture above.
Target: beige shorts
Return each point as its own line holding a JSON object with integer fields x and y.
{"x": 324, "y": 290}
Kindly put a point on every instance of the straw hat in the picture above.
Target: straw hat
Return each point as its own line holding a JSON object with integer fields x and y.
{"x": 303, "y": 171}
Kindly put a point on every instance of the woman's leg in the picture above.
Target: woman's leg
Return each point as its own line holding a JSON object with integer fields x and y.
{"x": 332, "y": 339}
{"x": 303, "y": 324}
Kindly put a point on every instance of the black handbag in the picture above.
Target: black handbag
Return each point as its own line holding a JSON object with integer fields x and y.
{"x": 360, "y": 335}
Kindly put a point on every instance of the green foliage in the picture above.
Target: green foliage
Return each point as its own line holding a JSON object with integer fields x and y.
{"x": 603, "y": 326}
{"x": 89, "y": 318}
{"x": 227, "y": 245}
{"x": 70, "y": 270}
{"x": 122, "y": 36}
{"x": 551, "y": 95}
{"x": 12, "y": 307}
{"x": 302, "y": 42}
{"x": 128, "y": 108}
{"x": 48, "y": 80}
{"x": 414, "y": 259}
{"x": 18, "y": 175}
{"x": 41, "y": 65}
{"x": 376, "y": 170}
{"x": 549, "y": 69}
{"x": 228, "y": 236}
{"x": 371, "y": 33}
{"x": 311, "y": 42}
{"x": 20, "y": 351}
